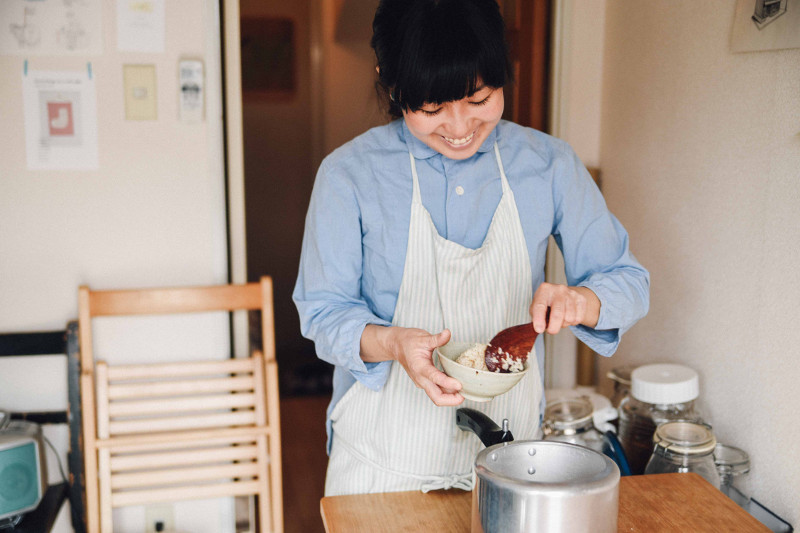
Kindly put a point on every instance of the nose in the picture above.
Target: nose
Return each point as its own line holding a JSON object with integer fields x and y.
{"x": 459, "y": 121}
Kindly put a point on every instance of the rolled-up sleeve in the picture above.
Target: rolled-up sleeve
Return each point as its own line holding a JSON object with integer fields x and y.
{"x": 597, "y": 255}
{"x": 327, "y": 294}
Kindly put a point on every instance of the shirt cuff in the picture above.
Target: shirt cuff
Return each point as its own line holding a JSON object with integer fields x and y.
{"x": 603, "y": 338}
{"x": 374, "y": 375}
{"x": 604, "y": 342}
{"x": 371, "y": 375}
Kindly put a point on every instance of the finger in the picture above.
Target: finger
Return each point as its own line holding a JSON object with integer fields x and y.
{"x": 441, "y": 338}
{"x": 539, "y": 314}
{"x": 556, "y": 318}
{"x": 444, "y": 381}
{"x": 441, "y": 398}
{"x": 450, "y": 400}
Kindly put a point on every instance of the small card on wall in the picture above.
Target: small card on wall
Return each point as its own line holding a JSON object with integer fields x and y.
{"x": 141, "y": 26}
{"x": 192, "y": 95}
{"x": 139, "y": 83}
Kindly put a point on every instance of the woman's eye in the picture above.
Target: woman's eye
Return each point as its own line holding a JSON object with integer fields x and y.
{"x": 482, "y": 102}
{"x": 432, "y": 113}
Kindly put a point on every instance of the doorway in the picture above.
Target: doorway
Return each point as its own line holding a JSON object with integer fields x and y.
{"x": 290, "y": 122}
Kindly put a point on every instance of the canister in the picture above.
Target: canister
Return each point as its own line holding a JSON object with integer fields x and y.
{"x": 659, "y": 393}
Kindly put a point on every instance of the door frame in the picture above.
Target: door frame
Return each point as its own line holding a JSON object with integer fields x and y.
{"x": 234, "y": 165}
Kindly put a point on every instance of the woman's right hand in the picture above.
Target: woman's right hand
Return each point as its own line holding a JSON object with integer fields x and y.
{"x": 413, "y": 349}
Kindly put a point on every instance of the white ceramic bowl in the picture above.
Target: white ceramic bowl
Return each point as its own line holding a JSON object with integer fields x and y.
{"x": 476, "y": 385}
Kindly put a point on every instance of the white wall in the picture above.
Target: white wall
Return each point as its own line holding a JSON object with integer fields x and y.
{"x": 700, "y": 154}
{"x": 152, "y": 215}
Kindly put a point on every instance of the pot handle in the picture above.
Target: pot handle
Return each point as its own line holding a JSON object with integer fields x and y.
{"x": 484, "y": 427}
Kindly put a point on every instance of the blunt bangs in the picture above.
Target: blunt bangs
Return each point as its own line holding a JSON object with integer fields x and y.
{"x": 448, "y": 53}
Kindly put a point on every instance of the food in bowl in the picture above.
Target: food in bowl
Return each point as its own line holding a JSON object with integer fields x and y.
{"x": 477, "y": 385}
{"x": 475, "y": 357}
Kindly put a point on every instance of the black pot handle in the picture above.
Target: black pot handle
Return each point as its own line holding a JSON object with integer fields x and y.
{"x": 484, "y": 427}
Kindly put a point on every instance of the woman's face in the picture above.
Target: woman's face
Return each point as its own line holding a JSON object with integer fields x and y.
{"x": 457, "y": 129}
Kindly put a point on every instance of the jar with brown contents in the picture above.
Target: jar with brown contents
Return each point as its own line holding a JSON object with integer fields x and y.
{"x": 659, "y": 393}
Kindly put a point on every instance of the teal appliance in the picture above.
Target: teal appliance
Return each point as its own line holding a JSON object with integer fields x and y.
{"x": 23, "y": 474}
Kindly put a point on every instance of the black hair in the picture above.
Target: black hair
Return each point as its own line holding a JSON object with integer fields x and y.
{"x": 436, "y": 51}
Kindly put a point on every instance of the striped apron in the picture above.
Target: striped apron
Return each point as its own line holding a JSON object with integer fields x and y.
{"x": 397, "y": 439}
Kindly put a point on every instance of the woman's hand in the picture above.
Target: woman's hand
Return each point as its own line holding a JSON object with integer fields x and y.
{"x": 413, "y": 348}
{"x": 569, "y": 306}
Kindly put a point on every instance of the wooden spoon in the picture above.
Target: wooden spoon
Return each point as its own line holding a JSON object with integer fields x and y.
{"x": 514, "y": 343}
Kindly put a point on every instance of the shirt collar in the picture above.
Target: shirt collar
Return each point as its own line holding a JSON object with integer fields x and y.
{"x": 420, "y": 150}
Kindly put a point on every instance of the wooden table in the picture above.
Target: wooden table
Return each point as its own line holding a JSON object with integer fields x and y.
{"x": 647, "y": 504}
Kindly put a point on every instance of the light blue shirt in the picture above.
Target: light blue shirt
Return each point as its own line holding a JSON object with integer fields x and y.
{"x": 356, "y": 232}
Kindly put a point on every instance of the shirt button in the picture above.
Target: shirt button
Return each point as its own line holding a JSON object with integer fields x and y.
{"x": 459, "y": 190}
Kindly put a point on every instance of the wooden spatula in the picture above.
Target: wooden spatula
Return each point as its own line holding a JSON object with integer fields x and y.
{"x": 514, "y": 343}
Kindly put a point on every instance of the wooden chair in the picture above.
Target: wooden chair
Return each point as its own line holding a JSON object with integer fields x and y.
{"x": 183, "y": 430}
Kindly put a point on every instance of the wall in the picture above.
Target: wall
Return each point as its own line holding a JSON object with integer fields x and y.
{"x": 152, "y": 215}
{"x": 700, "y": 151}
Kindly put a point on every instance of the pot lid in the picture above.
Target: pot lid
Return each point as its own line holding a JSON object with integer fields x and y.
{"x": 686, "y": 438}
{"x": 568, "y": 413}
{"x": 546, "y": 467}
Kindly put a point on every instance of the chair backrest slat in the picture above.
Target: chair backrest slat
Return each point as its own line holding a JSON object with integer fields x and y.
{"x": 176, "y": 300}
{"x": 197, "y": 368}
{"x": 184, "y": 475}
{"x": 181, "y": 457}
{"x": 182, "y": 405}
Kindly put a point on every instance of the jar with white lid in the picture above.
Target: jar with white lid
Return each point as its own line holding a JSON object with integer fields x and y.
{"x": 733, "y": 467}
{"x": 684, "y": 447}
{"x": 659, "y": 393}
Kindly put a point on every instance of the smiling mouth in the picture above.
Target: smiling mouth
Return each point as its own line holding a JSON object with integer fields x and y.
{"x": 459, "y": 142}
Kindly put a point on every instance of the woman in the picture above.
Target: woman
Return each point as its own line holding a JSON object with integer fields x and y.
{"x": 434, "y": 228}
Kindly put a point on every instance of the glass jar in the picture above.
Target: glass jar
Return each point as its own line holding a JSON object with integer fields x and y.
{"x": 659, "y": 393}
{"x": 733, "y": 465}
{"x": 570, "y": 420}
{"x": 684, "y": 447}
{"x": 621, "y": 376}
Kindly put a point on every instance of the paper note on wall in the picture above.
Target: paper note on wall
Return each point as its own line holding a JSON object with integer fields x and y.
{"x": 139, "y": 82}
{"x": 140, "y": 26}
{"x": 50, "y": 27}
{"x": 60, "y": 120}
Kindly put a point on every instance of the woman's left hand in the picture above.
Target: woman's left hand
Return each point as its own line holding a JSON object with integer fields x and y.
{"x": 569, "y": 306}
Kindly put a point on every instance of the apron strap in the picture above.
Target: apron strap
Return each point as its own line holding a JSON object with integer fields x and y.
{"x": 503, "y": 178}
{"x": 430, "y": 482}
{"x": 417, "y": 197}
